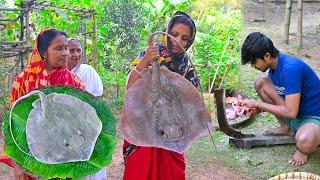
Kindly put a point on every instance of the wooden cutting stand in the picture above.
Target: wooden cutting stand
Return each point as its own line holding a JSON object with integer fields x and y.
{"x": 239, "y": 139}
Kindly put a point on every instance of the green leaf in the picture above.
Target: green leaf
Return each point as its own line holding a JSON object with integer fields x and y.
{"x": 102, "y": 153}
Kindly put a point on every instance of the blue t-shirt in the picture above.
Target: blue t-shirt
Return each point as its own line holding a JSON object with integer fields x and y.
{"x": 292, "y": 76}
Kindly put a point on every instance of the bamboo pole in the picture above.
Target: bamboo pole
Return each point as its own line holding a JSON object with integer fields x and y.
{"x": 10, "y": 9}
{"x": 225, "y": 74}
{"x": 208, "y": 70}
{"x": 94, "y": 53}
{"x": 287, "y": 21}
{"x": 7, "y": 19}
{"x": 21, "y": 38}
{"x": 21, "y": 26}
{"x": 300, "y": 17}
{"x": 85, "y": 42}
{"x": 294, "y": 1}
{"x": 27, "y": 27}
{"x": 219, "y": 63}
{"x": 211, "y": 65}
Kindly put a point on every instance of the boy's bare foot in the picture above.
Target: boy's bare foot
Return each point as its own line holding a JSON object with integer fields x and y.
{"x": 279, "y": 131}
{"x": 298, "y": 159}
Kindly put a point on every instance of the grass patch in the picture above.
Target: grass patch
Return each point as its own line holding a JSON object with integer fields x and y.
{"x": 259, "y": 162}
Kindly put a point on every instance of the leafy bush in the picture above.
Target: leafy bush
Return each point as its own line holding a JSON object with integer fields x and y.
{"x": 216, "y": 46}
{"x": 123, "y": 27}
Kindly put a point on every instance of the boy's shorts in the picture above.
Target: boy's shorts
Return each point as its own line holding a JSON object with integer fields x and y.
{"x": 295, "y": 124}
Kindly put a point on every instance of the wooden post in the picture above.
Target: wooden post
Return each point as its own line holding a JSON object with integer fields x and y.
{"x": 287, "y": 21}
{"x": 27, "y": 26}
{"x": 27, "y": 8}
{"x": 21, "y": 26}
{"x": 94, "y": 53}
{"x": 300, "y": 17}
{"x": 208, "y": 71}
{"x": 21, "y": 39}
{"x": 85, "y": 42}
{"x": 219, "y": 63}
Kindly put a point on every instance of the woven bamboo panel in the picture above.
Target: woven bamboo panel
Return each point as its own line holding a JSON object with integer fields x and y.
{"x": 296, "y": 176}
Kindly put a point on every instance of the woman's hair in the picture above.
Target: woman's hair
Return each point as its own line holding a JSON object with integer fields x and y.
{"x": 45, "y": 39}
{"x": 75, "y": 40}
{"x": 181, "y": 17}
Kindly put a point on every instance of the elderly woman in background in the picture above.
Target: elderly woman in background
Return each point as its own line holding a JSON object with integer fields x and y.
{"x": 85, "y": 72}
{"x": 47, "y": 66}
{"x": 151, "y": 163}
{"x": 92, "y": 82}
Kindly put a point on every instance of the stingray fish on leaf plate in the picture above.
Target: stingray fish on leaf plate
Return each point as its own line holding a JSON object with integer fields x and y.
{"x": 68, "y": 126}
{"x": 66, "y": 133}
{"x": 163, "y": 109}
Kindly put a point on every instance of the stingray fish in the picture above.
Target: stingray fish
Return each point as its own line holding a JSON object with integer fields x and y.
{"x": 61, "y": 128}
{"x": 163, "y": 109}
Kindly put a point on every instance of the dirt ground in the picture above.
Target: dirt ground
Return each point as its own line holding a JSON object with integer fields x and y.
{"x": 266, "y": 17}
{"x": 115, "y": 170}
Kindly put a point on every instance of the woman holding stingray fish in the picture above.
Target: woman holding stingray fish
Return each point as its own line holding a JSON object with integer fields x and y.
{"x": 150, "y": 162}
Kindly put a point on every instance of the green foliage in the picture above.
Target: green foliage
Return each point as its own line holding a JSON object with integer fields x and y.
{"x": 119, "y": 35}
{"x": 217, "y": 43}
{"x": 10, "y": 32}
{"x": 123, "y": 28}
{"x": 4, "y": 101}
{"x": 3, "y": 3}
{"x": 102, "y": 153}
{"x": 125, "y": 31}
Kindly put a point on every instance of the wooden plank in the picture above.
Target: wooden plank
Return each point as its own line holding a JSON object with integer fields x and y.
{"x": 261, "y": 140}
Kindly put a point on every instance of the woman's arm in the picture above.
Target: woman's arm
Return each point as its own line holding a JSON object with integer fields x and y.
{"x": 152, "y": 53}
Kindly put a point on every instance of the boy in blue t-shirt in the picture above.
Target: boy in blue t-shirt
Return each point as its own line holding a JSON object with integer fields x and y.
{"x": 291, "y": 92}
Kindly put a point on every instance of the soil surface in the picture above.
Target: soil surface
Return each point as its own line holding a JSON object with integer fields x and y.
{"x": 268, "y": 18}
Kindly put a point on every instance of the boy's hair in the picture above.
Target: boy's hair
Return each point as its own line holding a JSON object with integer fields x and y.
{"x": 256, "y": 46}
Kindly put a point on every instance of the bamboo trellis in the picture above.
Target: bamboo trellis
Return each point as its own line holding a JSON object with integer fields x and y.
{"x": 13, "y": 55}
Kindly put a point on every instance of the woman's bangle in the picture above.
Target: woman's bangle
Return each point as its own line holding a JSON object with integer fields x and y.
{"x": 137, "y": 70}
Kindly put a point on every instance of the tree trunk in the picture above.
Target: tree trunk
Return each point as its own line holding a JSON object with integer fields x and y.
{"x": 287, "y": 21}
{"x": 300, "y": 17}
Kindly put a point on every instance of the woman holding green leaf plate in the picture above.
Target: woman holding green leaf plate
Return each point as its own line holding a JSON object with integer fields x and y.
{"x": 45, "y": 70}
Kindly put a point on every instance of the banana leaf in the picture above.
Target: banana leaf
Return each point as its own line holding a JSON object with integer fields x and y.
{"x": 103, "y": 149}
